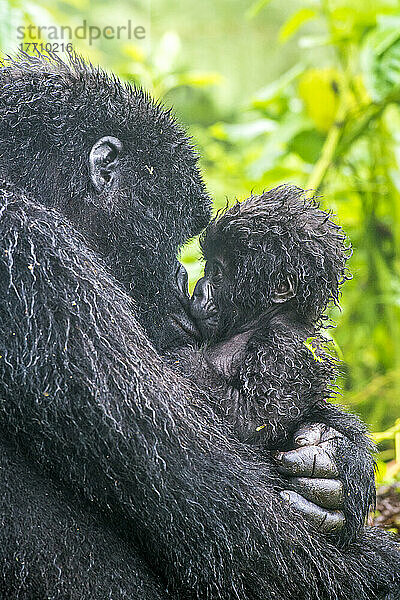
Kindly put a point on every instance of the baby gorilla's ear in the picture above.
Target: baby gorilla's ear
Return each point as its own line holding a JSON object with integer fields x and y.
{"x": 285, "y": 290}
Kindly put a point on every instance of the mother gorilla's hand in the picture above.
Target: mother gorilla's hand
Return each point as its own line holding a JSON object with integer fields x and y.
{"x": 316, "y": 490}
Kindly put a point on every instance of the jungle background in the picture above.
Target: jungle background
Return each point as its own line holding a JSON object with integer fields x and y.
{"x": 272, "y": 92}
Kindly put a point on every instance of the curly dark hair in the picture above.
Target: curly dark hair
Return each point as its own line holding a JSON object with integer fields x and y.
{"x": 278, "y": 235}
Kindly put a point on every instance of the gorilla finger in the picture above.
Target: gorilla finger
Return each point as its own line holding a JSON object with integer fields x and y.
{"x": 327, "y": 493}
{"x": 326, "y": 521}
{"x": 307, "y": 461}
{"x": 309, "y": 434}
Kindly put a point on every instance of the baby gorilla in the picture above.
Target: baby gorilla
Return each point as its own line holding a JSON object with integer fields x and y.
{"x": 273, "y": 264}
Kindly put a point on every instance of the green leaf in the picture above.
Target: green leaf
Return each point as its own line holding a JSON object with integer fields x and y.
{"x": 308, "y": 145}
{"x": 294, "y": 23}
{"x": 380, "y": 59}
{"x": 256, "y": 8}
{"x": 251, "y": 130}
{"x": 199, "y": 79}
{"x": 309, "y": 345}
{"x": 318, "y": 90}
{"x": 275, "y": 144}
{"x": 271, "y": 91}
{"x": 308, "y": 42}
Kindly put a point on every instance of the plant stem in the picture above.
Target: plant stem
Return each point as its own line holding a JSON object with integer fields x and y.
{"x": 338, "y": 142}
{"x": 328, "y": 151}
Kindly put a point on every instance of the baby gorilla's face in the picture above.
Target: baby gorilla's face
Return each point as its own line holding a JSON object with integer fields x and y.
{"x": 222, "y": 309}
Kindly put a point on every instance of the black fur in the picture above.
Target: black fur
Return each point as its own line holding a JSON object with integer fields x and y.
{"x": 99, "y": 434}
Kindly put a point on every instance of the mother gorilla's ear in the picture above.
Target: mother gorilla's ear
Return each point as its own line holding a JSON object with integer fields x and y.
{"x": 104, "y": 161}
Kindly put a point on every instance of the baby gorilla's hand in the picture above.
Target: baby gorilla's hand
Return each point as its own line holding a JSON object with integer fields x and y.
{"x": 317, "y": 491}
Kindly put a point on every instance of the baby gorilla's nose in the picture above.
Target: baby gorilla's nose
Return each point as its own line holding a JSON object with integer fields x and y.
{"x": 201, "y": 297}
{"x": 203, "y": 308}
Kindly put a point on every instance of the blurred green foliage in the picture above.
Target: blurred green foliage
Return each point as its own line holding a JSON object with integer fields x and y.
{"x": 303, "y": 92}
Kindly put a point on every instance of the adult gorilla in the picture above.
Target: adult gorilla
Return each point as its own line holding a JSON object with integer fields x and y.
{"x": 118, "y": 480}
